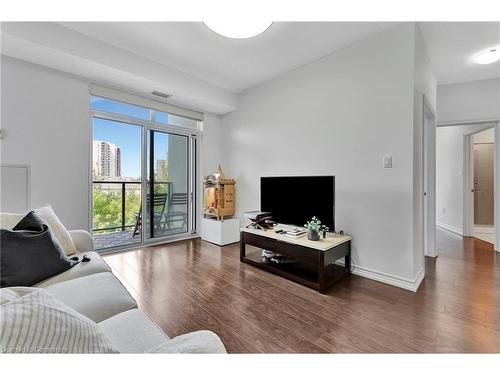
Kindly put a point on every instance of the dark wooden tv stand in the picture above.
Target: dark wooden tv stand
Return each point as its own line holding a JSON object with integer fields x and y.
{"x": 315, "y": 265}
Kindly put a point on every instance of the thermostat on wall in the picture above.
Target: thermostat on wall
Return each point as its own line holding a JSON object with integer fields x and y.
{"x": 387, "y": 161}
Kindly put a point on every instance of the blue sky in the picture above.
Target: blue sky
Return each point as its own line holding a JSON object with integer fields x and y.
{"x": 126, "y": 136}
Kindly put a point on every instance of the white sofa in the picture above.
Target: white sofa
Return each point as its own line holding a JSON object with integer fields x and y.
{"x": 91, "y": 289}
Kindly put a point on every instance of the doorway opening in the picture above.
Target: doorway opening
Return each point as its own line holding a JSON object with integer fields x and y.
{"x": 482, "y": 173}
{"x": 466, "y": 179}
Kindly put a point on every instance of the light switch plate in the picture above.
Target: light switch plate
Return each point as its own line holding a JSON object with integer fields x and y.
{"x": 387, "y": 161}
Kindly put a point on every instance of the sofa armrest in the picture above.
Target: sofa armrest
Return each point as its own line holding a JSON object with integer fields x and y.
{"x": 82, "y": 239}
{"x": 193, "y": 342}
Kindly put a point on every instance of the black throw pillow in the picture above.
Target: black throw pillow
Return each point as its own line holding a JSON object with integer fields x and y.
{"x": 29, "y": 253}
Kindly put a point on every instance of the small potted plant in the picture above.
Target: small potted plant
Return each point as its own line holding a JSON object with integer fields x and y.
{"x": 314, "y": 228}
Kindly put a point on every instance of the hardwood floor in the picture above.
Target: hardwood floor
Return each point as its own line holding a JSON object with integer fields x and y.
{"x": 194, "y": 285}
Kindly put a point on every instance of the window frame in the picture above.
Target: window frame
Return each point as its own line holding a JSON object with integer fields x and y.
{"x": 152, "y": 116}
{"x": 144, "y": 101}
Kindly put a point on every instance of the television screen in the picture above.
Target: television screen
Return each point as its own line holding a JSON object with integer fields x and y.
{"x": 295, "y": 200}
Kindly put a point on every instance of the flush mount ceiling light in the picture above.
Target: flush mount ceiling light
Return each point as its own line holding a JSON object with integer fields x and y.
{"x": 238, "y": 29}
{"x": 488, "y": 56}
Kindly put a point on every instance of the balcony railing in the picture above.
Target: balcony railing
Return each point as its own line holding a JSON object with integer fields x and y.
{"x": 122, "y": 187}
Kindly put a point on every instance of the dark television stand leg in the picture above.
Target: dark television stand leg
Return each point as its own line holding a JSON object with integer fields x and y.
{"x": 321, "y": 273}
{"x": 242, "y": 247}
{"x": 347, "y": 259}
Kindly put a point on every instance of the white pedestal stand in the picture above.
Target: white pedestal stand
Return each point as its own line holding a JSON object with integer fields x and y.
{"x": 220, "y": 232}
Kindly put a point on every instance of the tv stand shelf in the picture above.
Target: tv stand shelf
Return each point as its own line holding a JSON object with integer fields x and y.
{"x": 316, "y": 266}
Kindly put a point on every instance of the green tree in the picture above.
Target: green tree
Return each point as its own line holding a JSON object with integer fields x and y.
{"x": 108, "y": 207}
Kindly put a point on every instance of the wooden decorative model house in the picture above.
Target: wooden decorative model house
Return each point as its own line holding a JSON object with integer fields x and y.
{"x": 218, "y": 196}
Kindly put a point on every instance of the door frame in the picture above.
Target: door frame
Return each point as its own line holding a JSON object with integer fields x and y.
{"x": 190, "y": 182}
{"x": 468, "y": 184}
{"x": 429, "y": 178}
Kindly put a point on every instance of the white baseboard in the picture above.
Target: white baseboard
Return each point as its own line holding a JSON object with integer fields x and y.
{"x": 400, "y": 282}
{"x": 450, "y": 228}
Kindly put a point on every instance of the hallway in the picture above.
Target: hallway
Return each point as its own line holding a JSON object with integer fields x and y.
{"x": 469, "y": 250}
{"x": 464, "y": 281}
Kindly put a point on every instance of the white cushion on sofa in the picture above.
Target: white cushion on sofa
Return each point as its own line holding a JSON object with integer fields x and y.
{"x": 24, "y": 327}
{"x": 193, "y": 342}
{"x": 132, "y": 331}
{"x": 57, "y": 228}
{"x": 96, "y": 265}
{"x": 9, "y": 220}
{"x": 98, "y": 296}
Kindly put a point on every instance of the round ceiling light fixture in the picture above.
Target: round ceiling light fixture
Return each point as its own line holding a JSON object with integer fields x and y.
{"x": 488, "y": 56}
{"x": 238, "y": 29}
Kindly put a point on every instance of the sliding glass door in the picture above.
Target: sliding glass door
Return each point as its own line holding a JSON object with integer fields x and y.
{"x": 143, "y": 174}
{"x": 168, "y": 185}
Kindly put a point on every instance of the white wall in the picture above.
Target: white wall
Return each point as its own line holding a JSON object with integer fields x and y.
{"x": 450, "y": 171}
{"x": 340, "y": 115}
{"x": 46, "y": 120}
{"x": 424, "y": 85}
{"x": 212, "y": 145}
{"x": 469, "y": 101}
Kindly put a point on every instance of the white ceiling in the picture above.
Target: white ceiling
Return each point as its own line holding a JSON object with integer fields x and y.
{"x": 233, "y": 64}
{"x": 238, "y": 64}
{"x": 452, "y": 46}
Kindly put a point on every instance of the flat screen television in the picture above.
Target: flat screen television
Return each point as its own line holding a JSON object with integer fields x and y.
{"x": 295, "y": 200}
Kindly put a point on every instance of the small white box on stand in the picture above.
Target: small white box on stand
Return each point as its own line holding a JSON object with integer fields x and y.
{"x": 220, "y": 232}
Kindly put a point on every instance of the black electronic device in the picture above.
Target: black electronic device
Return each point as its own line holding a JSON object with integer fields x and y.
{"x": 295, "y": 200}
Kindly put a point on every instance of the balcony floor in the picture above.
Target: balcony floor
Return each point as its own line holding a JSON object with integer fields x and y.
{"x": 107, "y": 240}
{"x": 114, "y": 239}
